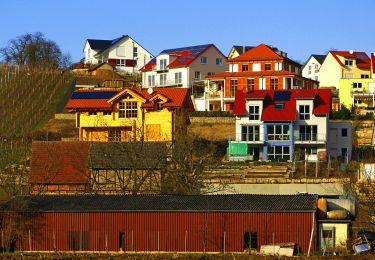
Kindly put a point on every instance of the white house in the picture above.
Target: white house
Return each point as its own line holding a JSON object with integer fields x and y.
{"x": 312, "y": 66}
{"x": 184, "y": 67}
{"x": 281, "y": 125}
{"x": 124, "y": 53}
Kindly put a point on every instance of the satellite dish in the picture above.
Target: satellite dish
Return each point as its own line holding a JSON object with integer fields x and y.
{"x": 351, "y": 51}
{"x": 150, "y": 91}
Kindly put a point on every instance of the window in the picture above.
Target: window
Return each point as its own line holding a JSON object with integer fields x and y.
{"x": 204, "y": 60}
{"x": 364, "y": 76}
{"x": 278, "y": 132}
{"x": 107, "y": 113}
{"x": 163, "y": 79}
{"x": 245, "y": 67}
{"x": 274, "y": 84}
{"x": 348, "y": 75}
{"x": 88, "y": 53}
{"x": 344, "y": 132}
{"x": 219, "y": 61}
{"x": 120, "y": 62}
{"x": 114, "y": 135}
{"x": 120, "y": 51}
{"x": 344, "y": 152}
{"x": 250, "y": 240}
{"x": 348, "y": 62}
{"x": 256, "y": 66}
{"x": 178, "y": 77}
{"x": 128, "y": 109}
{"x": 163, "y": 64}
{"x": 197, "y": 75}
{"x": 233, "y": 87}
{"x": 304, "y": 112}
{"x": 250, "y": 133}
{"x": 357, "y": 85}
{"x": 309, "y": 71}
{"x": 316, "y": 78}
{"x": 253, "y": 112}
{"x": 135, "y": 52}
{"x": 308, "y": 133}
{"x": 279, "y": 106}
{"x": 327, "y": 239}
{"x": 316, "y": 68}
{"x": 278, "y": 152}
{"x": 250, "y": 84}
{"x": 151, "y": 80}
{"x": 210, "y": 73}
{"x": 121, "y": 241}
{"x": 312, "y": 150}
{"x": 267, "y": 66}
{"x": 92, "y": 113}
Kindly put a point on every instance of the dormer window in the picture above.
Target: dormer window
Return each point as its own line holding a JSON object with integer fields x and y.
{"x": 304, "y": 112}
{"x": 279, "y": 106}
{"x": 348, "y": 62}
{"x": 267, "y": 66}
{"x": 163, "y": 64}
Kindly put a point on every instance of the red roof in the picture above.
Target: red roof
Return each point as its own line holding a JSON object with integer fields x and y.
{"x": 88, "y": 104}
{"x": 59, "y": 163}
{"x": 321, "y": 97}
{"x": 261, "y": 52}
{"x": 373, "y": 62}
{"x": 362, "y": 60}
{"x": 176, "y": 96}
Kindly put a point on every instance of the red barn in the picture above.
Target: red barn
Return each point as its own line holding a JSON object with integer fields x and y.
{"x": 196, "y": 223}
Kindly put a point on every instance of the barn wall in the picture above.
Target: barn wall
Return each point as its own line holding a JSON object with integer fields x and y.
{"x": 165, "y": 231}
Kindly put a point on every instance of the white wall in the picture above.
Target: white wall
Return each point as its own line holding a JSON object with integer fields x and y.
{"x": 244, "y": 120}
{"x": 89, "y": 55}
{"x": 313, "y": 75}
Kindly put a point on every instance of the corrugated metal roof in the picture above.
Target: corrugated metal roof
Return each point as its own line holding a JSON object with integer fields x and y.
{"x": 195, "y": 203}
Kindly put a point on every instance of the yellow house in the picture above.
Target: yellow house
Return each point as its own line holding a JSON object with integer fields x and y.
{"x": 351, "y": 73}
{"x": 123, "y": 115}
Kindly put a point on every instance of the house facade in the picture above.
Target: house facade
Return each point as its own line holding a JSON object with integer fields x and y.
{"x": 281, "y": 125}
{"x": 124, "y": 53}
{"x": 351, "y": 73}
{"x": 312, "y": 66}
{"x": 237, "y": 50}
{"x": 124, "y": 115}
{"x": 260, "y": 68}
{"x": 184, "y": 67}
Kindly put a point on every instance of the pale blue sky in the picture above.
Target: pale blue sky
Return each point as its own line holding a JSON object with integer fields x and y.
{"x": 298, "y": 27}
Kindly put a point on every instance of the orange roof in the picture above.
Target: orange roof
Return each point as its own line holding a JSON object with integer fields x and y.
{"x": 261, "y": 52}
{"x": 176, "y": 96}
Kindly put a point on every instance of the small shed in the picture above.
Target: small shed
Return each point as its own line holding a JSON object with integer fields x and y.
{"x": 168, "y": 223}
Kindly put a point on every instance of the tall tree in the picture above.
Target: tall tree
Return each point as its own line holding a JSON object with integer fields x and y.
{"x": 34, "y": 50}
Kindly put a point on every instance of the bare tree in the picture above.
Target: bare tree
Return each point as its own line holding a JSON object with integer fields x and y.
{"x": 34, "y": 50}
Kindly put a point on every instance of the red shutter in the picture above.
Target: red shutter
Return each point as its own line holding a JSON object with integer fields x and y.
{"x": 112, "y": 62}
{"x": 129, "y": 63}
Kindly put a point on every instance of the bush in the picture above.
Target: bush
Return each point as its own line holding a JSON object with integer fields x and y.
{"x": 344, "y": 113}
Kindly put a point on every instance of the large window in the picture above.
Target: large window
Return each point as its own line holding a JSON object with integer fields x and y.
{"x": 250, "y": 84}
{"x": 304, "y": 112}
{"x": 308, "y": 132}
{"x": 233, "y": 87}
{"x": 278, "y": 152}
{"x": 151, "y": 80}
{"x": 163, "y": 64}
{"x": 278, "y": 132}
{"x": 128, "y": 109}
{"x": 120, "y": 62}
{"x": 250, "y": 133}
{"x": 254, "y": 112}
{"x": 178, "y": 77}
{"x": 274, "y": 84}
{"x": 163, "y": 79}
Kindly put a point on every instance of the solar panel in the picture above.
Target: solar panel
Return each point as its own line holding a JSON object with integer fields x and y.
{"x": 93, "y": 95}
{"x": 183, "y": 59}
{"x": 281, "y": 95}
{"x": 362, "y": 56}
{"x": 196, "y": 49}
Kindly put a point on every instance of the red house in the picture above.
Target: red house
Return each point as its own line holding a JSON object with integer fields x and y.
{"x": 260, "y": 68}
{"x": 161, "y": 223}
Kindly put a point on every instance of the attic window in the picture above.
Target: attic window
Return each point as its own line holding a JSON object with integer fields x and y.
{"x": 279, "y": 106}
{"x": 348, "y": 62}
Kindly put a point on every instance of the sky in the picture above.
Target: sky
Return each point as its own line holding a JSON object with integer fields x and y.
{"x": 298, "y": 27}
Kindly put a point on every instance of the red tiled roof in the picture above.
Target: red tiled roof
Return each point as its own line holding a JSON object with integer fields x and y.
{"x": 362, "y": 60}
{"x": 321, "y": 97}
{"x": 250, "y": 74}
{"x": 261, "y": 52}
{"x": 373, "y": 62}
{"x": 88, "y": 104}
{"x": 176, "y": 96}
{"x": 59, "y": 163}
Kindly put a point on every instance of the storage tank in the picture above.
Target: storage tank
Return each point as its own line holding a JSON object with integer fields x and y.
{"x": 322, "y": 208}
{"x": 339, "y": 204}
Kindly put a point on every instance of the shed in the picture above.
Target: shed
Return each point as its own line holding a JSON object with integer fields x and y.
{"x": 172, "y": 223}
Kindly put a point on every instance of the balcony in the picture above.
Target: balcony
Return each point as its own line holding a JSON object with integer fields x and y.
{"x": 313, "y": 138}
{"x": 168, "y": 83}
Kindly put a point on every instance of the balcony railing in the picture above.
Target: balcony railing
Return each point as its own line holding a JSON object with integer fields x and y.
{"x": 310, "y": 138}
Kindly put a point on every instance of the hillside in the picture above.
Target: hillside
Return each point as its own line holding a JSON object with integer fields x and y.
{"x": 28, "y": 98}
